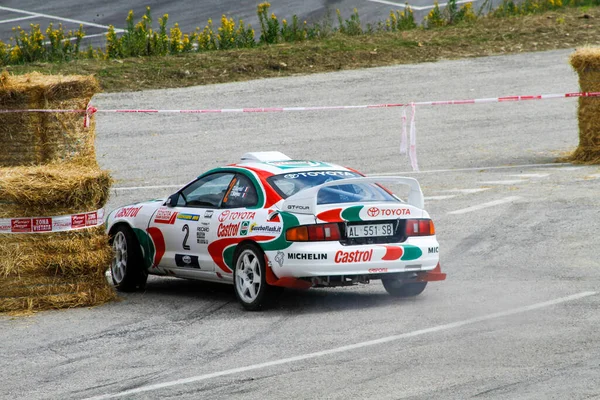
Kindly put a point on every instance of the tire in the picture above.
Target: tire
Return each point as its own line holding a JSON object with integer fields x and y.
{"x": 249, "y": 279}
{"x": 396, "y": 288}
{"x": 127, "y": 267}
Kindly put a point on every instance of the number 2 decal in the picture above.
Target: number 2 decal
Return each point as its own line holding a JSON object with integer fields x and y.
{"x": 186, "y": 229}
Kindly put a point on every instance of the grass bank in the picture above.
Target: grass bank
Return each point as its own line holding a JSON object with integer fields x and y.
{"x": 560, "y": 29}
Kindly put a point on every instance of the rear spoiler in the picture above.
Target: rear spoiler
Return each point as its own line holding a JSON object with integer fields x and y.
{"x": 305, "y": 201}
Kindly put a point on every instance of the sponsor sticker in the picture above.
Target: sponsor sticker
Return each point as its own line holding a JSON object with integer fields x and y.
{"x": 344, "y": 257}
{"x": 232, "y": 216}
{"x": 307, "y": 256}
{"x": 201, "y": 234}
{"x": 255, "y": 228}
{"x": 78, "y": 221}
{"x": 387, "y": 212}
{"x": 244, "y": 228}
{"x": 188, "y": 217}
{"x": 42, "y": 224}
{"x": 279, "y": 258}
{"x": 187, "y": 261}
{"x": 377, "y": 270}
{"x": 208, "y": 214}
{"x": 164, "y": 216}
{"x": 319, "y": 173}
{"x": 228, "y": 230}
{"x": 20, "y": 225}
{"x": 91, "y": 219}
{"x": 128, "y": 212}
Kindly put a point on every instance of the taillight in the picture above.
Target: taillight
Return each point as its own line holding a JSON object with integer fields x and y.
{"x": 313, "y": 233}
{"x": 419, "y": 227}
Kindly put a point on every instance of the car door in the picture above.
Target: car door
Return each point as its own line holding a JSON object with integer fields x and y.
{"x": 186, "y": 227}
{"x": 232, "y": 223}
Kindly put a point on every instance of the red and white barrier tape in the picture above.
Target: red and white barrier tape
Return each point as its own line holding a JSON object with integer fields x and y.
{"x": 389, "y": 105}
{"x": 60, "y": 223}
{"x": 90, "y": 110}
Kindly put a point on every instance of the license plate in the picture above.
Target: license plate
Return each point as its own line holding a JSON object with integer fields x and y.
{"x": 374, "y": 230}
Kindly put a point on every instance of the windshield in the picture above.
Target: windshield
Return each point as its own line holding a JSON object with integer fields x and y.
{"x": 291, "y": 183}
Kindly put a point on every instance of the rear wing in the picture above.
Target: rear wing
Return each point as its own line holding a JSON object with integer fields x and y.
{"x": 305, "y": 201}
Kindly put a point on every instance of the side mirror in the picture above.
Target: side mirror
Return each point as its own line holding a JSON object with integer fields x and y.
{"x": 173, "y": 200}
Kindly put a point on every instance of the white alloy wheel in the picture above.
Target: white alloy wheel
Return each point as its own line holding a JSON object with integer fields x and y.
{"x": 248, "y": 276}
{"x": 119, "y": 263}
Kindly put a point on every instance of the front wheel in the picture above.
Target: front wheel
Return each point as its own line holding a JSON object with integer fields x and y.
{"x": 249, "y": 278}
{"x": 397, "y": 288}
{"x": 127, "y": 267}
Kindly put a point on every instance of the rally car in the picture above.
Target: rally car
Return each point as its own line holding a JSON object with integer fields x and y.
{"x": 270, "y": 222}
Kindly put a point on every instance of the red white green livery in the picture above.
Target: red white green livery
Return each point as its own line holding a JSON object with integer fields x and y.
{"x": 270, "y": 222}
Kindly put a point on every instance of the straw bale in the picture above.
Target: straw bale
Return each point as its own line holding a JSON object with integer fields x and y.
{"x": 55, "y": 189}
{"x": 75, "y": 294}
{"x": 54, "y": 270}
{"x": 32, "y": 286}
{"x": 586, "y": 62}
{"x": 39, "y": 138}
{"x": 68, "y": 254}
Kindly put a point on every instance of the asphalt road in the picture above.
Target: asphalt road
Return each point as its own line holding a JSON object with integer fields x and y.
{"x": 517, "y": 317}
{"x": 97, "y": 16}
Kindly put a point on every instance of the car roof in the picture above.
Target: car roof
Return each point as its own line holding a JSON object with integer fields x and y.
{"x": 284, "y": 166}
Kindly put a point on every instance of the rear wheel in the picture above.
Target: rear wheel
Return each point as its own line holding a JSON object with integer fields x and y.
{"x": 398, "y": 288}
{"x": 127, "y": 267}
{"x": 249, "y": 278}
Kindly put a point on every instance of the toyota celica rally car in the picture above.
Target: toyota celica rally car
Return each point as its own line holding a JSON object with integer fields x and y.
{"x": 270, "y": 222}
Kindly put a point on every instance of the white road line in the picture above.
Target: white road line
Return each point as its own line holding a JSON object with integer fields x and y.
{"x": 6, "y": 21}
{"x": 75, "y": 21}
{"x": 485, "y": 205}
{"x": 506, "y": 182}
{"x": 439, "y": 197}
{"x": 391, "y": 3}
{"x": 465, "y": 191}
{"x": 530, "y": 175}
{"x": 572, "y": 168}
{"x": 436, "y": 171}
{"x": 308, "y": 356}
{"x": 122, "y": 189}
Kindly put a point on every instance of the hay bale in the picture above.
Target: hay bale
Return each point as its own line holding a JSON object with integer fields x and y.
{"x": 54, "y": 270}
{"x": 586, "y": 62}
{"x": 39, "y": 138}
{"x": 68, "y": 254}
{"x": 77, "y": 294}
{"x": 55, "y": 189}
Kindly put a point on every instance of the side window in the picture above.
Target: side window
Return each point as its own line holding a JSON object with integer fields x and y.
{"x": 207, "y": 191}
{"x": 241, "y": 193}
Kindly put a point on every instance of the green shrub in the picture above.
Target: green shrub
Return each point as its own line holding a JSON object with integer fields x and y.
{"x": 435, "y": 19}
{"x": 350, "y": 26}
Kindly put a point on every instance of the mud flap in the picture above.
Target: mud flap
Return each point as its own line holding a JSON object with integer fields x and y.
{"x": 435, "y": 274}
{"x": 290, "y": 283}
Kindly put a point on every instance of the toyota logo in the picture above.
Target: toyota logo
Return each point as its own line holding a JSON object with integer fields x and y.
{"x": 224, "y": 215}
{"x": 373, "y": 212}
{"x": 291, "y": 176}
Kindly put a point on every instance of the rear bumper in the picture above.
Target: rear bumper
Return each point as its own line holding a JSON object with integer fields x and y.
{"x": 317, "y": 259}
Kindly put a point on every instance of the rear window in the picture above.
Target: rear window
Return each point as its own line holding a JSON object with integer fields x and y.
{"x": 291, "y": 183}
